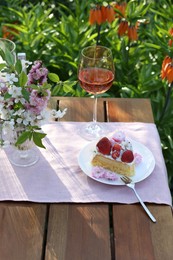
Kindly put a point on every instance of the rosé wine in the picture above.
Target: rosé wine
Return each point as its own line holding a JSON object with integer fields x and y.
{"x": 96, "y": 80}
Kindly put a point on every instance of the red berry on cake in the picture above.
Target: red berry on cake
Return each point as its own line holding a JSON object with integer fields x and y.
{"x": 104, "y": 146}
{"x": 127, "y": 156}
{"x": 115, "y": 154}
{"x": 116, "y": 147}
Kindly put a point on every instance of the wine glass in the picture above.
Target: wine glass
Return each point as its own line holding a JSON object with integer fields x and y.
{"x": 95, "y": 74}
{"x": 6, "y": 44}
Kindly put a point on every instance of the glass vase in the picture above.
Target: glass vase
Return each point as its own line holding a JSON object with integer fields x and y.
{"x": 23, "y": 155}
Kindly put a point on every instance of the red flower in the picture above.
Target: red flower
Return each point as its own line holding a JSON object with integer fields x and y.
{"x": 167, "y": 69}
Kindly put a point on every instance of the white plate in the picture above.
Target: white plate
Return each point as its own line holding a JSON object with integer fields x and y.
{"x": 143, "y": 170}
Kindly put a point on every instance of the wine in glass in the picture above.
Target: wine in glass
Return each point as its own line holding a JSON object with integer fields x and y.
{"x": 95, "y": 75}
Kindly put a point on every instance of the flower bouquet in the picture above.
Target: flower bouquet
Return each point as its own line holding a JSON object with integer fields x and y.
{"x": 23, "y": 100}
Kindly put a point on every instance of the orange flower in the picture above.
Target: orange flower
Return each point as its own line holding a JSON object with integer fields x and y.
{"x": 92, "y": 19}
{"x": 123, "y": 27}
{"x": 95, "y": 15}
{"x": 101, "y": 14}
{"x": 121, "y": 8}
{"x": 7, "y": 32}
{"x": 167, "y": 69}
{"x": 170, "y": 40}
{"x": 98, "y": 15}
{"x": 110, "y": 13}
{"x": 132, "y": 33}
{"x": 169, "y": 75}
{"x": 104, "y": 13}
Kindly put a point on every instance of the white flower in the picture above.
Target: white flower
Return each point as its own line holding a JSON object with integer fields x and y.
{"x": 59, "y": 113}
{"x": 8, "y": 127}
{"x": 11, "y": 78}
{"x": 15, "y": 91}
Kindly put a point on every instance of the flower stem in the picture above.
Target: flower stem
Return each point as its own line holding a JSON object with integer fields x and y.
{"x": 98, "y": 33}
{"x": 167, "y": 100}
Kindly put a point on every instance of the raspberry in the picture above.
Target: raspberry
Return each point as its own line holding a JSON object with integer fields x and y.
{"x": 116, "y": 147}
{"x": 115, "y": 154}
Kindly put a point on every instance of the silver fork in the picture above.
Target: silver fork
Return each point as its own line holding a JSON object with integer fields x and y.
{"x": 131, "y": 185}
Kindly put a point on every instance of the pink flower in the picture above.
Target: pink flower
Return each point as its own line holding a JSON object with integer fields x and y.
{"x": 137, "y": 158}
{"x": 37, "y": 74}
{"x": 99, "y": 172}
{"x": 118, "y": 136}
{"x": 37, "y": 101}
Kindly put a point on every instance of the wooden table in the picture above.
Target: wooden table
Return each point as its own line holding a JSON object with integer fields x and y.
{"x": 98, "y": 231}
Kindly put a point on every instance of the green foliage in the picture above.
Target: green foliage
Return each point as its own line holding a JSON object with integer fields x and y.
{"x": 56, "y": 31}
{"x": 32, "y": 134}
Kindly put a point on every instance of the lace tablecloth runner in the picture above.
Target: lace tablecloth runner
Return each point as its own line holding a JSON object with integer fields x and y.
{"x": 57, "y": 177}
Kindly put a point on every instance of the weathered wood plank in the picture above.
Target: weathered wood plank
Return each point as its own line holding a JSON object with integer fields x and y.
{"x": 81, "y": 110}
{"x": 21, "y": 230}
{"x": 78, "y": 231}
{"x": 130, "y": 110}
{"x": 132, "y": 233}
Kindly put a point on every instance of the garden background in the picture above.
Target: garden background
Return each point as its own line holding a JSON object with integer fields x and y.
{"x": 56, "y": 31}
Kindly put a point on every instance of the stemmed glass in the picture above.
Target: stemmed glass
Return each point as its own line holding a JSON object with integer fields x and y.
{"x": 95, "y": 74}
{"x": 7, "y": 45}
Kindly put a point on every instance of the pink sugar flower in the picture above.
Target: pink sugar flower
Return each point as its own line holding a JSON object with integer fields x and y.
{"x": 137, "y": 158}
{"x": 118, "y": 136}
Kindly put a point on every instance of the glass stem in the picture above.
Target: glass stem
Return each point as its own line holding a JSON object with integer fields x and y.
{"x": 95, "y": 109}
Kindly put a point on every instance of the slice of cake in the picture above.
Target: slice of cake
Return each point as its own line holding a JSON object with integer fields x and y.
{"x": 115, "y": 154}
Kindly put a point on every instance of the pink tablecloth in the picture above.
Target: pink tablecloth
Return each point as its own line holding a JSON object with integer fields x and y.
{"x": 57, "y": 177}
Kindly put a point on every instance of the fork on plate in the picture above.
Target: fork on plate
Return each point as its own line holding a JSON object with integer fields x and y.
{"x": 131, "y": 185}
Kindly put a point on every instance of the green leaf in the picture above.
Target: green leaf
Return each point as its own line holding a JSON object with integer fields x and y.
{"x": 23, "y": 79}
{"x": 2, "y": 66}
{"x": 53, "y": 77}
{"x": 9, "y": 57}
{"x": 7, "y": 95}
{"x": 22, "y": 138}
{"x": 37, "y": 138}
{"x": 18, "y": 66}
{"x": 25, "y": 94}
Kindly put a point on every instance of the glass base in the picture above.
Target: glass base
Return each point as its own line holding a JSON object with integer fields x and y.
{"x": 92, "y": 130}
{"x": 24, "y": 158}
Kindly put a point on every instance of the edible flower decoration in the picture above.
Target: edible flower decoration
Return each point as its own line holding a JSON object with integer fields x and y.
{"x": 23, "y": 100}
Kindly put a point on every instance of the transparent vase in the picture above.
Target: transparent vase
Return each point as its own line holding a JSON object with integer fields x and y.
{"x": 23, "y": 155}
